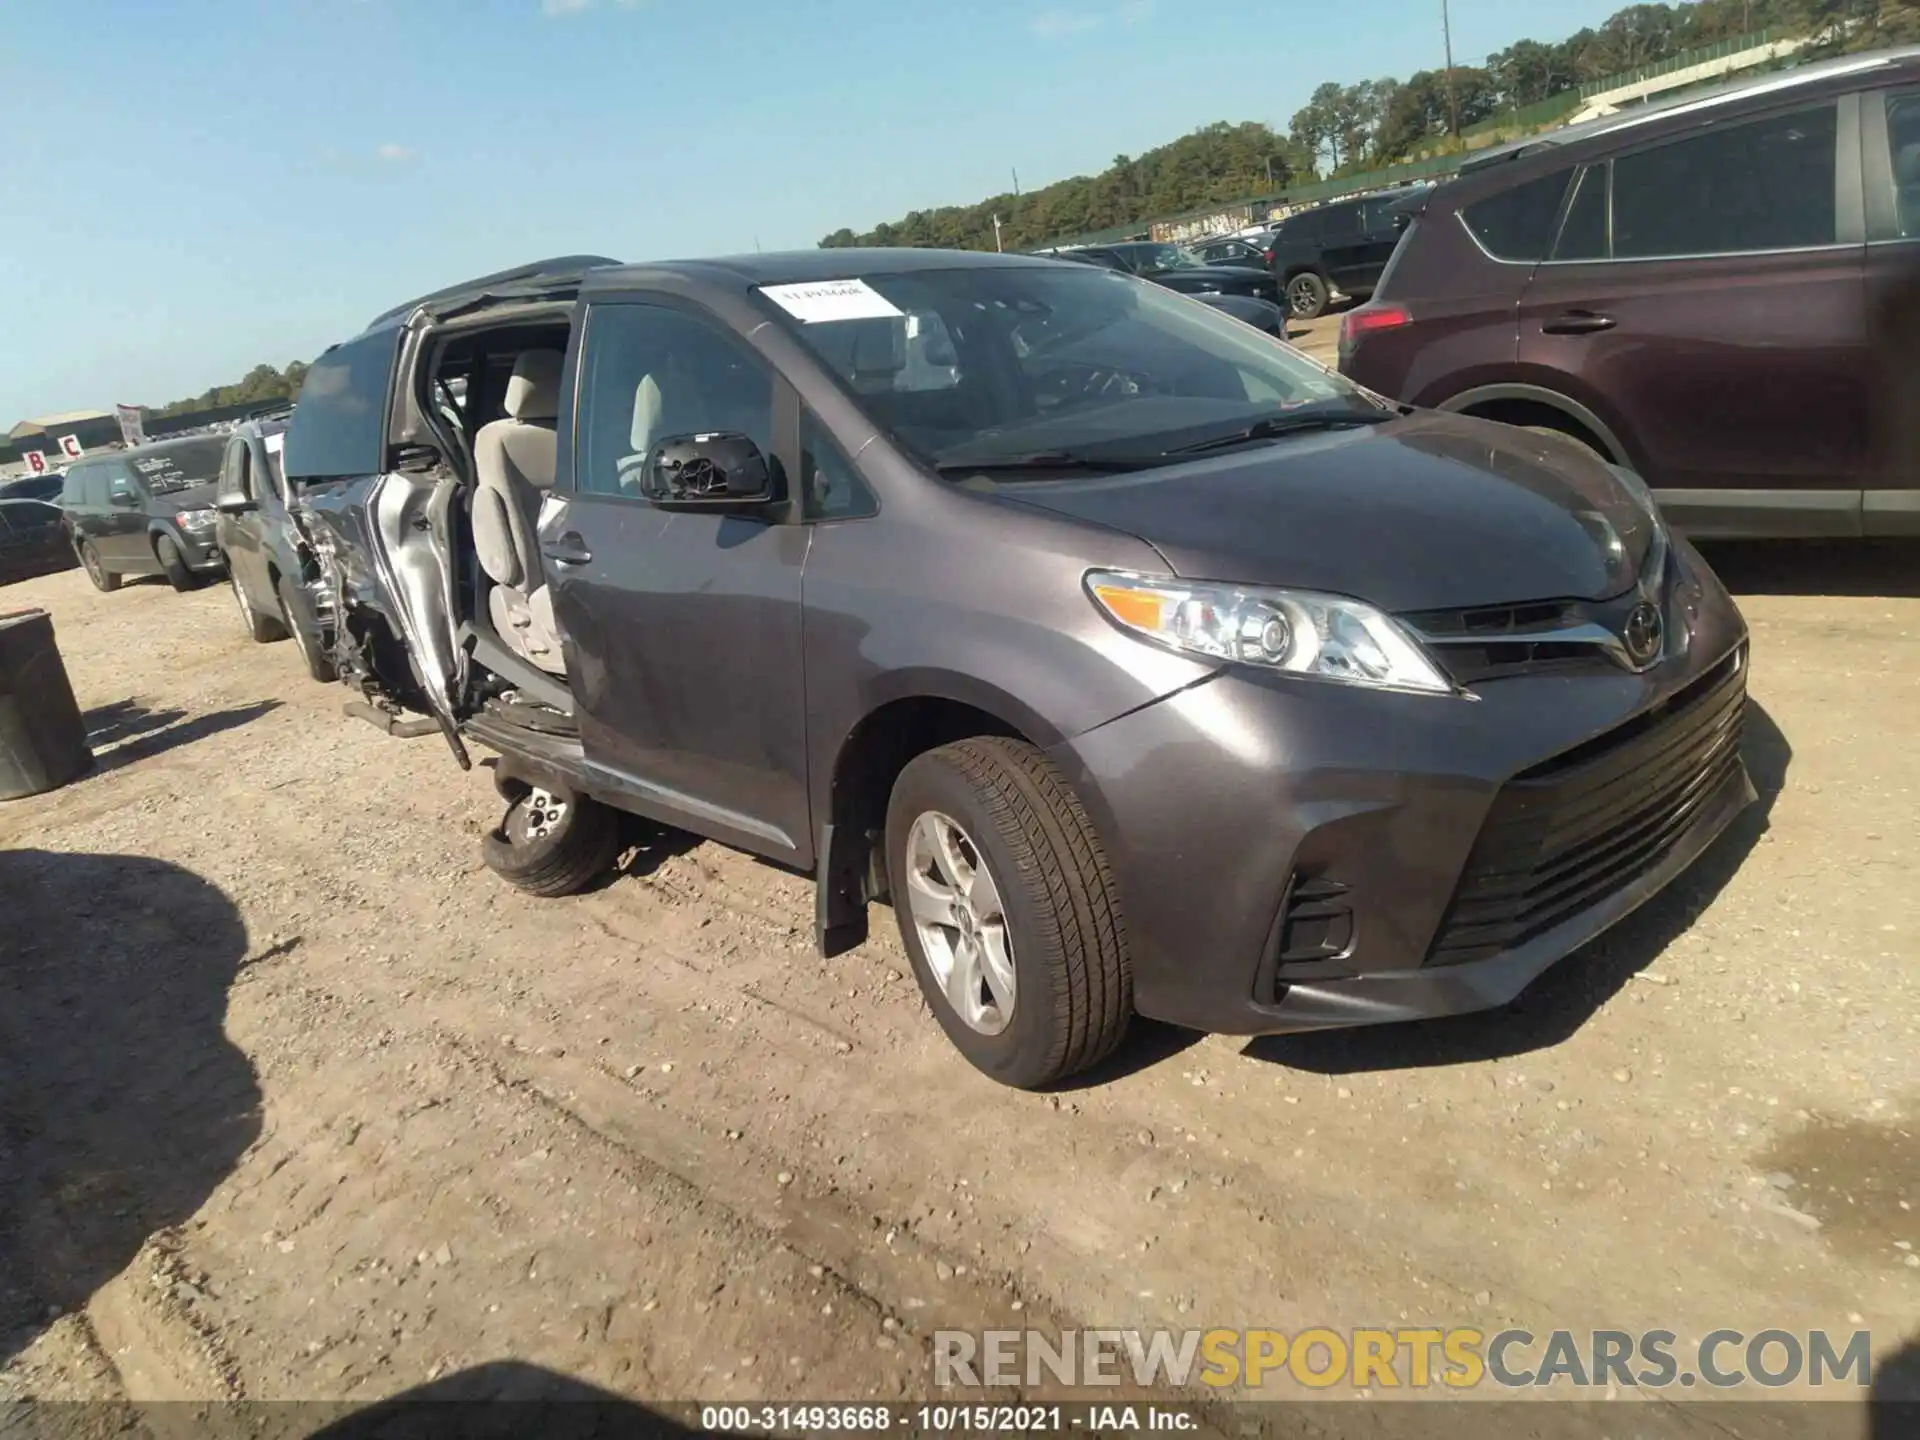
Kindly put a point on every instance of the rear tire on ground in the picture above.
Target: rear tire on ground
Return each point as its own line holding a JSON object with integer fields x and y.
{"x": 102, "y": 578}
{"x": 1036, "y": 955}
{"x": 294, "y": 618}
{"x": 172, "y": 563}
{"x": 261, "y": 628}
{"x": 553, "y": 843}
{"x": 1307, "y": 295}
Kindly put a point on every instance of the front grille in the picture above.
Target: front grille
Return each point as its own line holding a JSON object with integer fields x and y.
{"x": 1494, "y": 642}
{"x": 1575, "y": 829}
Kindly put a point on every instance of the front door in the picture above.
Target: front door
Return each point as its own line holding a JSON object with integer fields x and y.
{"x": 123, "y": 544}
{"x": 1710, "y": 303}
{"x": 682, "y": 630}
{"x": 240, "y": 534}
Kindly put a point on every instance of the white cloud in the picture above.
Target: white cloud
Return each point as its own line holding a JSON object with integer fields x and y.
{"x": 1060, "y": 24}
{"x": 553, "y": 8}
{"x": 396, "y": 154}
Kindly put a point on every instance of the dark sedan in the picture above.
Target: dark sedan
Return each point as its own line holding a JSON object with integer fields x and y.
{"x": 32, "y": 540}
{"x": 1178, "y": 268}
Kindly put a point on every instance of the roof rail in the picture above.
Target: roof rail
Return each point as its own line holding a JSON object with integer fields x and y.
{"x": 559, "y": 265}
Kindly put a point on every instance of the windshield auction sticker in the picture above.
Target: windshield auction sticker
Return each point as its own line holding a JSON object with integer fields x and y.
{"x": 822, "y": 300}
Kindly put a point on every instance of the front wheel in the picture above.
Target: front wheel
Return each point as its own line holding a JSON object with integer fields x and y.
{"x": 260, "y": 628}
{"x": 103, "y": 579}
{"x": 553, "y": 842}
{"x": 1307, "y": 295}
{"x": 1008, "y": 910}
{"x": 303, "y": 626}
{"x": 172, "y": 563}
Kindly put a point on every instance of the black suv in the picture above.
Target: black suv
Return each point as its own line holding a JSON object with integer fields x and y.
{"x": 1340, "y": 248}
{"x": 146, "y": 511}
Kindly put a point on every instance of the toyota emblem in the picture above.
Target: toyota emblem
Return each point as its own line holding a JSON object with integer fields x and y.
{"x": 1642, "y": 633}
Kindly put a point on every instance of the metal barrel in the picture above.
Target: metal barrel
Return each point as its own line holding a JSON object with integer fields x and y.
{"x": 43, "y": 740}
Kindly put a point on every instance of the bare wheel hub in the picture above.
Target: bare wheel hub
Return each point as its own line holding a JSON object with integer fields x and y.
{"x": 543, "y": 811}
{"x": 961, "y": 922}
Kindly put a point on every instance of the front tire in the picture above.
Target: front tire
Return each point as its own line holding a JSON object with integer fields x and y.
{"x": 553, "y": 842}
{"x": 1008, "y": 911}
{"x": 1307, "y": 295}
{"x": 103, "y": 579}
{"x": 261, "y": 629}
{"x": 292, "y": 616}
{"x": 172, "y": 563}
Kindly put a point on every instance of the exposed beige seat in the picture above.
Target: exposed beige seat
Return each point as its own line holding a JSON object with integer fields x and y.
{"x": 514, "y": 462}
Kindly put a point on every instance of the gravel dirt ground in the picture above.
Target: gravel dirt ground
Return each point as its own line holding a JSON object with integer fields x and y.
{"x": 297, "y": 1101}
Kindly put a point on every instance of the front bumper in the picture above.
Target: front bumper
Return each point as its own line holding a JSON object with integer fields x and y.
{"x": 200, "y": 549}
{"x": 1294, "y": 855}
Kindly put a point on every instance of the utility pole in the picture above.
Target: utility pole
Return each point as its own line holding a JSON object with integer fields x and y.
{"x": 996, "y": 233}
{"x": 1016, "y": 182}
{"x": 1453, "y": 105}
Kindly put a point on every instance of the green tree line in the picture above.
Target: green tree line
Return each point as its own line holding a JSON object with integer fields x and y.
{"x": 1351, "y": 128}
{"x": 260, "y": 384}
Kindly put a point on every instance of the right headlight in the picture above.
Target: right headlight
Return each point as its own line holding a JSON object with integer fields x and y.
{"x": 1300, "y": 632}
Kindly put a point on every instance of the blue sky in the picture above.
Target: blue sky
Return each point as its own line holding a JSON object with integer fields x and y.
{"x": 195, "y": 186}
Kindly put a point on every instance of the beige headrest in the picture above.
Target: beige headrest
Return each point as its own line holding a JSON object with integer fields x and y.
{"x": 534, "y": 391}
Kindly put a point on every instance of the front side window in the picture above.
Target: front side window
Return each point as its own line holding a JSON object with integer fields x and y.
{"x": 830, "y": 488}
{"x": 234, "y": 473}
{"x": 1039, "y": 360}
{"x": 1760, "y": 185}
{"x": 652, "y": 374}
{"x": 1517, "y": 223}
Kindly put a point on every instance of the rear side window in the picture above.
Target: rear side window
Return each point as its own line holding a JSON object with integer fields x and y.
{"x": 73, "y": 489}
{"x": 1340, "y": 222}
{"x": 1762, "y": 185}
{"x": 1517, "y": 223}
{"x": 340, "y": 423}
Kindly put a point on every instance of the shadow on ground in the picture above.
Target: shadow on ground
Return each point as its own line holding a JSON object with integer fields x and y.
{"x": 126, "y": 730}
{"x": 122, "y": 1102}
{"x": 505, "y": 1398}
{"x": 1817, "y": 567}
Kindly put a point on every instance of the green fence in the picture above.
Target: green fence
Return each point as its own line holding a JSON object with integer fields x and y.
{"x": 1538, "y": 116}
{"x": 1686, "y": 59}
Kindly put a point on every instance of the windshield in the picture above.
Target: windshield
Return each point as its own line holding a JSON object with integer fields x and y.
{"x": 181, "y": 467}
{"x": 979, "y": 364}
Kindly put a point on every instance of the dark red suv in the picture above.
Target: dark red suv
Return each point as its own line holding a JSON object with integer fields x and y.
{"x": 1687, "y": 289}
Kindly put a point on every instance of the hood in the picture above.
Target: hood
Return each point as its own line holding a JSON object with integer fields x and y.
{"x": 1434, "y": 512}
{"x": 194, "y": 497}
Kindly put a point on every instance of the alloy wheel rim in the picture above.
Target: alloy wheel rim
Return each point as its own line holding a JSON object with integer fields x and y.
{"x": 961, "y": 921}
{"x": 92, "y": 561}
{"x": 1300, "y": 292}
{"x": 543, "y": 812}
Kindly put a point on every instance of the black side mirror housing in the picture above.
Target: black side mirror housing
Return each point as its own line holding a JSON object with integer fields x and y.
{"x": 233, "y": 502}
{"x": 723, "y": 470}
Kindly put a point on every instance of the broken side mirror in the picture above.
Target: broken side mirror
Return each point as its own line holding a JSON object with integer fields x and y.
{"x": 718, "y": 471}
{"x": 235, "y": 502}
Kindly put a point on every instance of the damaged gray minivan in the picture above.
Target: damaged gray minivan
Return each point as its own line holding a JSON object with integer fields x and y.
{"x": 1143, "y": 664}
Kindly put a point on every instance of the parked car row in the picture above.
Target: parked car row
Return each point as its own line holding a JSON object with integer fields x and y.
{"x": 1142, "y": 664}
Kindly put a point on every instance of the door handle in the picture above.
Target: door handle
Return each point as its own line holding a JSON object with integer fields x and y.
{"x": 569, "y": 549}
{"x": 1577, "y": 322}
